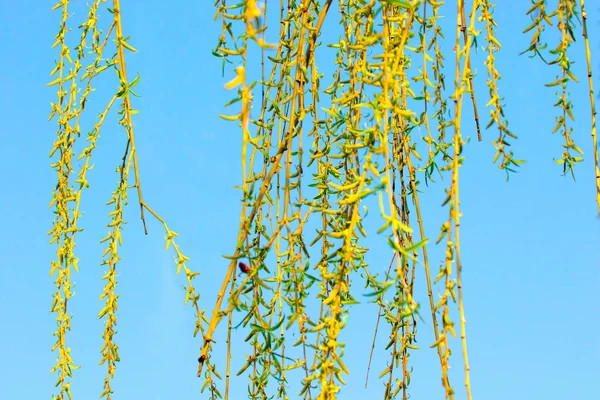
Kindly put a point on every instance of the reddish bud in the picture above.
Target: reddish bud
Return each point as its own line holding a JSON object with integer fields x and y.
{"x": 243, "y": 267}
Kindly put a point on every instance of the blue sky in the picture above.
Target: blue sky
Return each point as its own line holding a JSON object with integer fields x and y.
{"x": 530, "y": 268}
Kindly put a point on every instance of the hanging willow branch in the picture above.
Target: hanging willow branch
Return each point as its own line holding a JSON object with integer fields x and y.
{"x": 68, "y": 192}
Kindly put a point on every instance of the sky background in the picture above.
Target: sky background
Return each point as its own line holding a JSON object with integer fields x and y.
{"x": 529, "y": 246}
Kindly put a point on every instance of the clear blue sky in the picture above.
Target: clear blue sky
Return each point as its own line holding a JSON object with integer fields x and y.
{"x": 530, "y": 246}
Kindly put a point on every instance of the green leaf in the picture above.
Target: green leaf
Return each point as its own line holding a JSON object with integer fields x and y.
{"x": 417, "y": 246}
